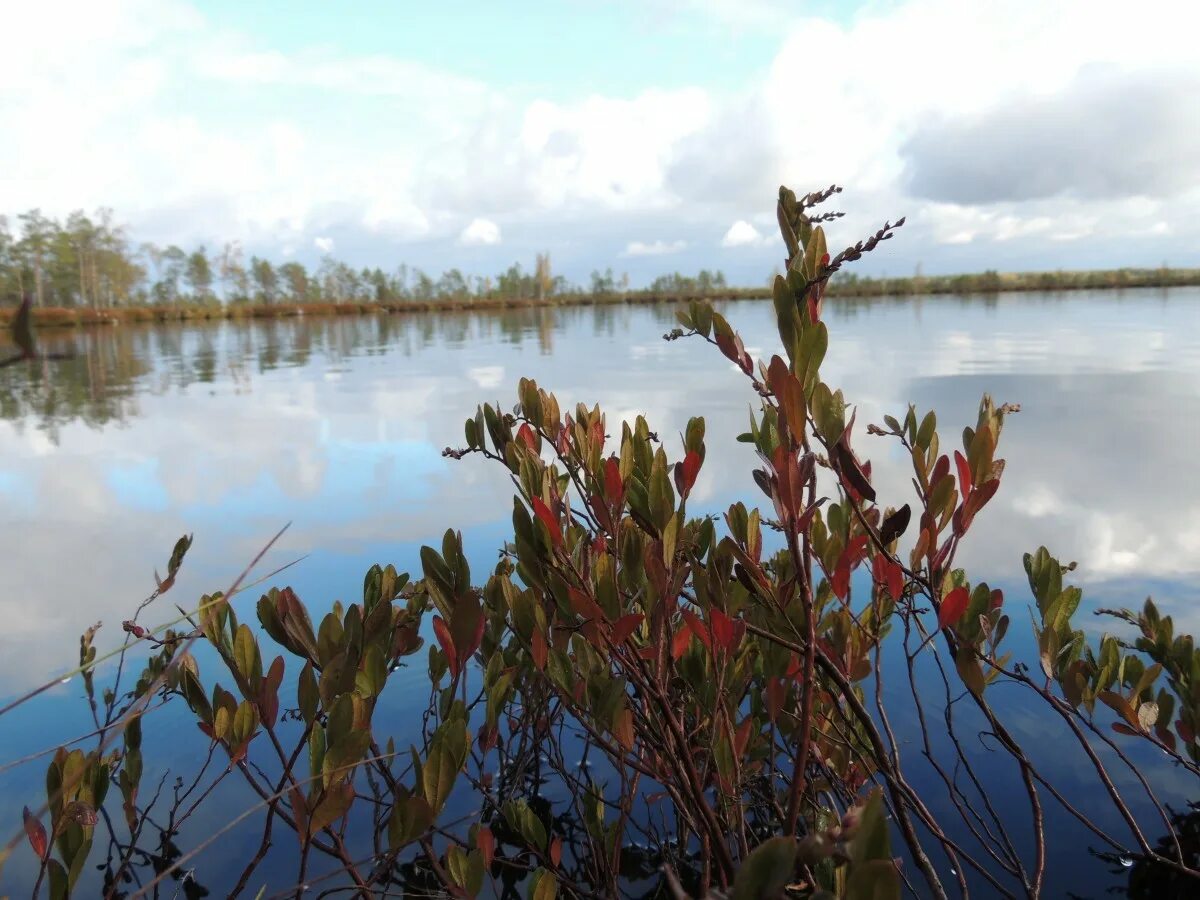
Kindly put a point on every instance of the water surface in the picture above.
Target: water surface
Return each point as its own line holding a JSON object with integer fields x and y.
{"x": 229, "y": 430}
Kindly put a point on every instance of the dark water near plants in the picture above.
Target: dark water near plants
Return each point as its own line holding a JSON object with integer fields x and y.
{"x": 230, "y": 430}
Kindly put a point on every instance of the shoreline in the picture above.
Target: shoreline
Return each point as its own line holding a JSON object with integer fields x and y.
{"x": 871, "y": 289}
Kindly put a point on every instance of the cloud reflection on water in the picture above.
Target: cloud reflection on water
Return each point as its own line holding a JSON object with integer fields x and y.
{"x": 229, "y": 430}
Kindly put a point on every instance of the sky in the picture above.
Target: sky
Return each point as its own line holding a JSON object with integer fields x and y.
{"x": 645, "y": 135}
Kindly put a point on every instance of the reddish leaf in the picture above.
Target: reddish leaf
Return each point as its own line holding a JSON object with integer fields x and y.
{"x": 954, "y": 605}
{"x": 850, "y": 558}
{"x": 984, "y": 493}
{"x": 599, "y": 544}
{"x": 585, "y": 606}
{"x": 852, "y": 473}
{"x": 623, "y": 729}
{"x": 794, "y": 667}
{"x": 997, "y": 599}
{"x": 895, "y": 579}
{"x": 36, "y": 832}
{"x": 1185, "y": 731}
{"x": 488, "y": 736}
{"x": 840, "y": 582}
{"x": 476, "y": 639}
{"x": 1122, "y": 728}
{"x": 548, "y": 519}
{"x": 940, "y": 470}
{"x": 486, "y": 842}
{"x": 207, "y": 729}
{"x": 742, "y": 737}
{"x": 964, "y": 474}
{"x": 603, "y": 516}
{"x": 447, "y": 643}
{"x": 888, "y": 575}
{"x": 698, "y": 628}
{"x": 895, "y": 525}
{"x": 680, "y": 642}
{"x": 776, "y": 694}
{"x": 614, "y": 487}
{"x": 539, "y": 650}
{"x": 686, "y": 472}
{"x": 527, "y": 437}
{"x": 556, "y": 850}
{"x": 625, "y": 626}
{"x": 722, "y": 628}
{"x": 1166, "y": 737}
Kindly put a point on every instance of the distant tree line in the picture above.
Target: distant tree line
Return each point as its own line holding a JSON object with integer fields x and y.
{"x": 89, "y": 261}
{"x": 993, "y": 282}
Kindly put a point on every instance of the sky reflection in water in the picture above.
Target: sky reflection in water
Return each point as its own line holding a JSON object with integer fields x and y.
{"x": 337, "y": 425}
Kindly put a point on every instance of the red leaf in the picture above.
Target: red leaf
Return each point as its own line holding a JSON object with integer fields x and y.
{"x": 853, "y": 475}
{"x": 539, "y": 650}
{"x": 954, "y": 605}
{"x": 742, "y": 737}
{"x": 486, "y": 842}
{"x": 207, "y": 729}
{"x": 36, "y": 832}
{"x": 997, "y": 599}
{"x": 840, "y": 582}
{"x": 793, "y": 666}
{"x": 964, "y": 474}
{"x": 698, "y": 628}
{"x": 722, "y": 628}
{"x": 776, "y": 695}
{"x": 940, "y": 470}
{"x": 685, "y": 472}
{"x": 850, "y": 558}
{"x": 614, "y": 487}
{"x": 1185, "y": 731}
{"x": 447, "y": 642}
{"x": 556, "y": 850}
{"x": 888, "y": 575}
{"x": 585, "y": 606}
{"x": 625, "y": 626}
{"x": 599, "y": 544}
{"x": 527, "y": 437}
{"x": 895, "y": 579}
{"x": 476, "y": 638}
{"x": 679, "y": 643}
{"x": 548, "y": 519}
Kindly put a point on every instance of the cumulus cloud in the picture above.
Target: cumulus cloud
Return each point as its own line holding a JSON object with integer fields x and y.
{"x": 480, "y": 232}
{"x": 1066, "y": 114}
{"x": 654, "y": 248}
{"x": 324, "y": 244}
{"x": 742, "y": 234}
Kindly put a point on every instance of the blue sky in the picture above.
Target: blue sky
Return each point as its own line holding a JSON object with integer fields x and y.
{"x": 647, "y": 136}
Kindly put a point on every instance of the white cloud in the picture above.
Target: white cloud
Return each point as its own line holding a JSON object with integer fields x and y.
{"x": 741, "y": 234}
{"x": 480, "y": 231}
{"x": 324, "y": 244}
{"x": 654, "y": 248}
{"x": 194, "y": 132}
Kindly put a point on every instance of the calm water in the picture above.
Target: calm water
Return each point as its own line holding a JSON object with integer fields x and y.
{"x": 229, "y": 431}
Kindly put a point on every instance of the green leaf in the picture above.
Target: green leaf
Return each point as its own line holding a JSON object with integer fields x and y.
{"x": 371, "y": 678}
{"x": 307, "y": 693}
{"x": 766, "y": 871}
{"x": 341, "y": 757}
{"x": 332, "y": 807}
{"x": 411, "y": 818}
{"x": 543, "y": 885}
{"x": 247, "y": 657}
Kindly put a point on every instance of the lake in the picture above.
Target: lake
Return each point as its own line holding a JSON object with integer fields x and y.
{"x": 337, "y": 425}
